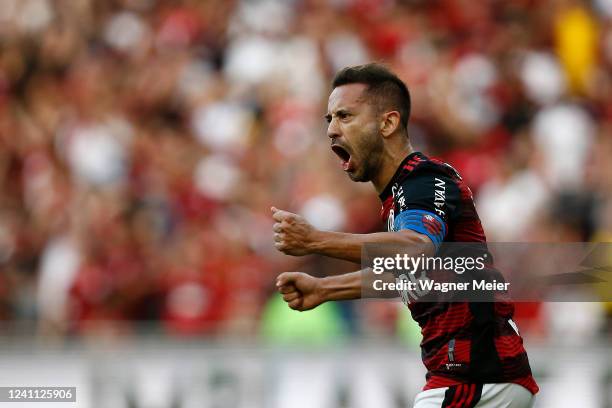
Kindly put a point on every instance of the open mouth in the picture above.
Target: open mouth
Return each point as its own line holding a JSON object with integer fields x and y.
{"x": 344, "y": 155}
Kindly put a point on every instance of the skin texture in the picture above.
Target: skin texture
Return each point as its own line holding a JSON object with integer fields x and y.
{"x": 377, "y": 143}
{"x": 352, "y": 125}
{"x": 371, "y": 134}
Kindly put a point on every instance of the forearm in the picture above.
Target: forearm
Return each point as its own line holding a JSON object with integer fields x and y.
{"x": 348, "y": 246}
{"x": 293, "y": 235}
{"x": 355, "y": 285}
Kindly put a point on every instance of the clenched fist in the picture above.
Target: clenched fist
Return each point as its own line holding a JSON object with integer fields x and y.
{"x": 300, "y": 290}
{"x": 293, "y": 235}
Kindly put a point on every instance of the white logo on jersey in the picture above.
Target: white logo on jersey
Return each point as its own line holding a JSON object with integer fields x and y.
{"x": 420, "y": 289}
{"x": 391, "y": 220}
{"x": 439, "y": 196}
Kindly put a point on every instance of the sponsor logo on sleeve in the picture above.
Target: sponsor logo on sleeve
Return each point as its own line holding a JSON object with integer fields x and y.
{"x": 439, "y": 196}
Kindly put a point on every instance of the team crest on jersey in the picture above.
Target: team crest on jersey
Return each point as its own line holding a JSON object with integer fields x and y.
{"x": 431, "y": 224}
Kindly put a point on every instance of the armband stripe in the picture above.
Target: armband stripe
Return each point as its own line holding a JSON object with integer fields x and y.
{"x": 423, "y": 222}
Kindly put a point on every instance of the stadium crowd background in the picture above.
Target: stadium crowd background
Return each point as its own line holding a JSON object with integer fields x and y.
{"x": 143, "y": 143}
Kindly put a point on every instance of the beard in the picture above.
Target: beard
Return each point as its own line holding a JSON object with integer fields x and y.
{"x": 369, "y": 153}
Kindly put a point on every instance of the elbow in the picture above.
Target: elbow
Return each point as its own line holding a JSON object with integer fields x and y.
{"x": 419, "y": 241}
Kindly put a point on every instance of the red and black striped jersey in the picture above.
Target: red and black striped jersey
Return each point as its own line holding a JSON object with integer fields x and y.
{"x": 463, "y": 342}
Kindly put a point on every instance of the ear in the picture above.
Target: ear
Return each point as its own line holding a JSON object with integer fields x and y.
{"x": 390, "y": 122}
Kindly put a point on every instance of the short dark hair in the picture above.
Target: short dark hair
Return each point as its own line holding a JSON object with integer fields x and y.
{"x": 387, "y": 90}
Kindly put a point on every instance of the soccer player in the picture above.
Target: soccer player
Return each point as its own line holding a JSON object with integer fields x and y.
{"x": 472, "y": 350}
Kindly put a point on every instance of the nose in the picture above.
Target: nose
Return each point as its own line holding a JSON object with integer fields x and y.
{"x": 332, "y": 129}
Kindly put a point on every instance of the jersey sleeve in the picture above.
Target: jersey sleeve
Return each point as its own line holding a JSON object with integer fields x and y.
{"x": 425, "y": 203}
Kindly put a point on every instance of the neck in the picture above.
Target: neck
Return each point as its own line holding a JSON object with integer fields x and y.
{"x": 391, "y": 160}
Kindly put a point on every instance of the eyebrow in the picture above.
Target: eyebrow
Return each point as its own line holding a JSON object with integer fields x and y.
{"x": 329, "y": 116}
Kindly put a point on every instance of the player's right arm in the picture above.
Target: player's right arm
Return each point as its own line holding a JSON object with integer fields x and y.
{"x": 304, "y": 292}
{"x": 424, "y": 204}
{"x": 293, "y": 235}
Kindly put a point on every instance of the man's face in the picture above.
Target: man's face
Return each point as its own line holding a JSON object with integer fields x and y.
{"x": 354, "y": 131}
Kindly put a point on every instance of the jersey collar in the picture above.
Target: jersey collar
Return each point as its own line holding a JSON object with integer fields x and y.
{"x": 387, "y": 190}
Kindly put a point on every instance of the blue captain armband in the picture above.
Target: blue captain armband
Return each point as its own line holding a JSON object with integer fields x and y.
{"x": 423, "y": 222}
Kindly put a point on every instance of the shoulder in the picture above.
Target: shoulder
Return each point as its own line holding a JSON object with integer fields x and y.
{"x": 430, "y": 185}
{"x": 433, "y": 165}
{"x": 427, "y": 172}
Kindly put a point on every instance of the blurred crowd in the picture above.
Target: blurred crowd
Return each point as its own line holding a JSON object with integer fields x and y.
{"x": 142, "y": 143}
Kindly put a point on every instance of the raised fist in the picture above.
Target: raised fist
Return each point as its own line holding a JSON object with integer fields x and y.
{"x": 300, "y": 290}
{"x": 293, "y": 235}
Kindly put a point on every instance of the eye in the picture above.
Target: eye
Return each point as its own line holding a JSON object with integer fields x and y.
{"x": 343, "y": 115}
